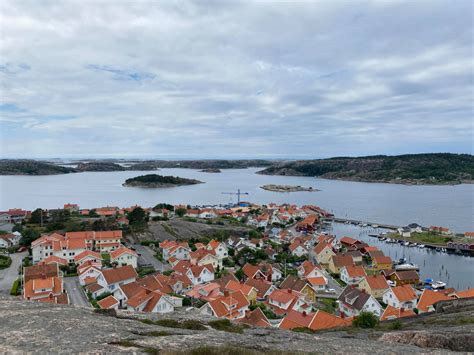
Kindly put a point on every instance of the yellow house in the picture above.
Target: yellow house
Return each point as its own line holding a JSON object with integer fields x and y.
{"x": 382, "y": 263}
{"x": 337, "y": 262}
{"x": 323, "y": 253}
{"x": 210, "y": 259}
{"x": 249, "y": 292}
{"x": 296, "y": 284}
{"x": 375, "y": 285}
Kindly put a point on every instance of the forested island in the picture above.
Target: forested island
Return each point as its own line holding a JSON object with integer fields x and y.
{"x": 31, "y": 167}
{"x": 419, "y": 169}
{"x": 159, "y": 181}
{"x": 211, "y": 170}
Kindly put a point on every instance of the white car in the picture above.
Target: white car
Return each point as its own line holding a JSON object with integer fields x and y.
{"x": 331, "y": 290}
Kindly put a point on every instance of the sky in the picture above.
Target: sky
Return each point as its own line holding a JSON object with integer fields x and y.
{"x": 235, "y": 79}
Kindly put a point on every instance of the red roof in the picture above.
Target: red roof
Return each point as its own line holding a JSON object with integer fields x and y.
{"x": 107, "y": 302}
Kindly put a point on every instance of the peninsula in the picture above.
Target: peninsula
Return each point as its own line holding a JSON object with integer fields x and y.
{"x": 287, "y": 188}
{"x": 416, "y": 169}
{"x": 159, "y": 181}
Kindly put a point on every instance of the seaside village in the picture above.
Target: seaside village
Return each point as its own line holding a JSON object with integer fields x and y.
{"x": 286, "y": 274}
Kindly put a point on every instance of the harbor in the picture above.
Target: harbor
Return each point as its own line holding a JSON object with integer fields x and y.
{"x": 453, "y": 269}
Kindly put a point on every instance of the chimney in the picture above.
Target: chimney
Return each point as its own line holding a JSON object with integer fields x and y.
{"x": 289, "y": 290}
{"x": 43, "y": 276}
{"x": 304, "y": 313}
{"x": 343, "y": 315}
{"x": 226, "y": 293}
{"x": 402, "y": 309}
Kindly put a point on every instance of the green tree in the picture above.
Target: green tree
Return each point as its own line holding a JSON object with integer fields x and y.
{"x": 365, "y": 320}
{"x": 138, "y": 214}
{"x": 38, "y": 216}
{"x": 28, "y": 235}
{"x": 180, "y": 212}
{"x": 239, "y": 274}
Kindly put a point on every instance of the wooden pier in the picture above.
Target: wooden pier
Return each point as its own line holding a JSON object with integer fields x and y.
{"x": 357, "y": 222}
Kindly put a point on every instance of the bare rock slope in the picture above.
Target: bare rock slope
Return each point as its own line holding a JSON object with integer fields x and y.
{"x": 35, "y": 327}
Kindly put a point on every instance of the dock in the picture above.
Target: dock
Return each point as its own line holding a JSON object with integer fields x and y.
{"x": 357, "y": 222}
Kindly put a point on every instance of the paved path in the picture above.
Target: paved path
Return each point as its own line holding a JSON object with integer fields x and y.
{"x": 147, "y": 257}
{"x": 75, "y": 292}
{"x": 7, "y": 276}
{"x": 332, "y": 283}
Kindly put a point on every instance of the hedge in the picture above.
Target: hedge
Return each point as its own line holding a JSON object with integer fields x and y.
{"x": 15, "y": 290}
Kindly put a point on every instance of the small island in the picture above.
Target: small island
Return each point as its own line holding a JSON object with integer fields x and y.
{"x": 159, "y": 181}
{"x": 211, "y": 170}
{"x": 286, "y": 188}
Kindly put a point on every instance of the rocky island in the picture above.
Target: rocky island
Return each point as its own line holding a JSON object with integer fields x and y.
{"x": 211, "y": 170}
{"x": 159, "y": 181}
{"x": 286, "y": 188}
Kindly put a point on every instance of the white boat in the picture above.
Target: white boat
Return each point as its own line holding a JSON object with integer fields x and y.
{"x": 406, "y": 244}
{"x": 375, "y": 225}
{"x": 421, "y": 245}
{"x": 406, "y": 266}
{"x": 438, "y": 285}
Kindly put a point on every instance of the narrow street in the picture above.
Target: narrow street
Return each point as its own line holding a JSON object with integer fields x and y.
{"x": 147, "y": 257}
{"x": 75, "y": 292}
{"x": 7, "y": 276}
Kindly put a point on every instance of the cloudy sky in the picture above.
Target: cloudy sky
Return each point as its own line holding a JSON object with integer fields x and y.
{"x": 184, "y": 79}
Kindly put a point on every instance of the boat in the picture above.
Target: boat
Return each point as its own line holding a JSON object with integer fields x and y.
{"x": 421, "y": 245}
{"x": 375, "y": 225}
{"x": 373, "y": 235}
{"x": 438, "y": 285}
{"x": 406, "y": 266}
{"x": 406, "y": 244}
{"x": 402, "y": 261}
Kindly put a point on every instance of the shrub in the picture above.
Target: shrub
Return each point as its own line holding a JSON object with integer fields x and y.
{"x": 5, "y": 261}
{"x": 365, "y": 320}
{"x": 15, "y": 290}
{"x": 395, "y": 325}
{"x": 187, "y": 324}
{"x": 226, "y": 326}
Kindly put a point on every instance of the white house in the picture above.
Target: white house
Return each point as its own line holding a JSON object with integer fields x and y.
{"x": 401, "y": 297}
{"x": 124, "y": 256}
{"x": 352, "y": 301}
{"x": 352, "y": 274}
{"x": 111, "y": 279}
{"x": 200, "y": 274}
{"x": 219, "y": 248}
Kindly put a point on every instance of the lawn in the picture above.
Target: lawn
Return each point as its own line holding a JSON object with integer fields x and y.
{"x": 426, "y": 238}
{"x": 105, "y": 256}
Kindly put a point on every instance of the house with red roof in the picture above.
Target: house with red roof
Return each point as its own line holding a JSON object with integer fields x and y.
{"x": 255, "y": 318}
{"x": 205, "y": 257}
{"x": 200, "y": 274}
{"x": 338, "y": 261}
{"x": 109, "y": 302}
{"x": 352, "y": 274}
{"x": 219, "y": 249}
{"x": 298, "y": 248}
{"x": 353, "y": 301}
{"x": 322, "y": 253}
{"x": 428, "y": 300}
{"x": 375, "y": 285}
{"x": 318, "y": 320}
{"x": 206, "y": 292}
{"x": 401, "y": 297}
{"x": 263, "y": 287}
{"x": 393, "y": 313}
{"x": 124, "y": 256}
{"x": 281, "y": 301}
{"x": 232, "y": 306}
{"x": 248, "y": 291}
{"x": 111, "y": 279}
{"x": 180, "y": 250}
{"x": 87, "y": 255}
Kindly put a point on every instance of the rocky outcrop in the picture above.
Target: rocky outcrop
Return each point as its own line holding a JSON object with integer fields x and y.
{"x": 36, "y": 327}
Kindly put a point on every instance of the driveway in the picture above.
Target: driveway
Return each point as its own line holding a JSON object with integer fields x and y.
{"x": 147, "y": 257}
{"x": 332, "y": 284}
{"x": 7, "y": 276}
{"x": 75, "y": 292}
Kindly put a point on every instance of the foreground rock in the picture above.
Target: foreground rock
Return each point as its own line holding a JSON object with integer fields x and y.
{"x": 286, "y": 188}
{"x": 36, "y": 327}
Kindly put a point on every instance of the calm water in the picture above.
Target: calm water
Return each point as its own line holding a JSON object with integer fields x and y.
{"x": 450, "y": 206}
{"x": 457, "y": 271}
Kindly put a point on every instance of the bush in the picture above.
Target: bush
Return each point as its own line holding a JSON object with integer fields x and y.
{"x": 15, "y": 290}
{"x": 226, "y": 326}
{"x": 5, "y": 261}
{"x": 365, "y": 320}
{"x": 187, "y": 324}
{"x": 395, "y": 325}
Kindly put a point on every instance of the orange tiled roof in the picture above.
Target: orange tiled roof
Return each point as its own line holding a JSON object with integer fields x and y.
{"x": 393, "y": 313}
{"x": 377, "y": 282}
{"x": 466, "y": 293}
{"x": 323, "y": 320}
{"x": 119, "y": 274}
{"x": 355, "y": 271}
{"x": 429, "y": 298}
{"x": 122, "y": 250}
{"x": 107, "y": 302}
{"x": 404, "y": 293}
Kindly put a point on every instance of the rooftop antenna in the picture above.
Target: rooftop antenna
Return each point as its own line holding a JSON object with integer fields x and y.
{"x": 238, "y": 193}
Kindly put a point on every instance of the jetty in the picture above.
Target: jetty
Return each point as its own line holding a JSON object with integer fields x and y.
{"x": 358, "y": 222}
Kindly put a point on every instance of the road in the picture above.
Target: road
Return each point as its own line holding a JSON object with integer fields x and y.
{"x": 75, "y": 292}
{"x": 147, "y": 257}
{"x": 7, "y": 276}
{"x": 332, "y": 284}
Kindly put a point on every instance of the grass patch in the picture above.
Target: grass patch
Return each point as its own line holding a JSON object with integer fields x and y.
{"x": 226, "y": 325}
{"x": 171, "y": 323}
{"x": 105, "y": 256}
{"x": 329, "y": 305}
{"x": 425, "y": 238}
{"x": 15, "y": 290}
